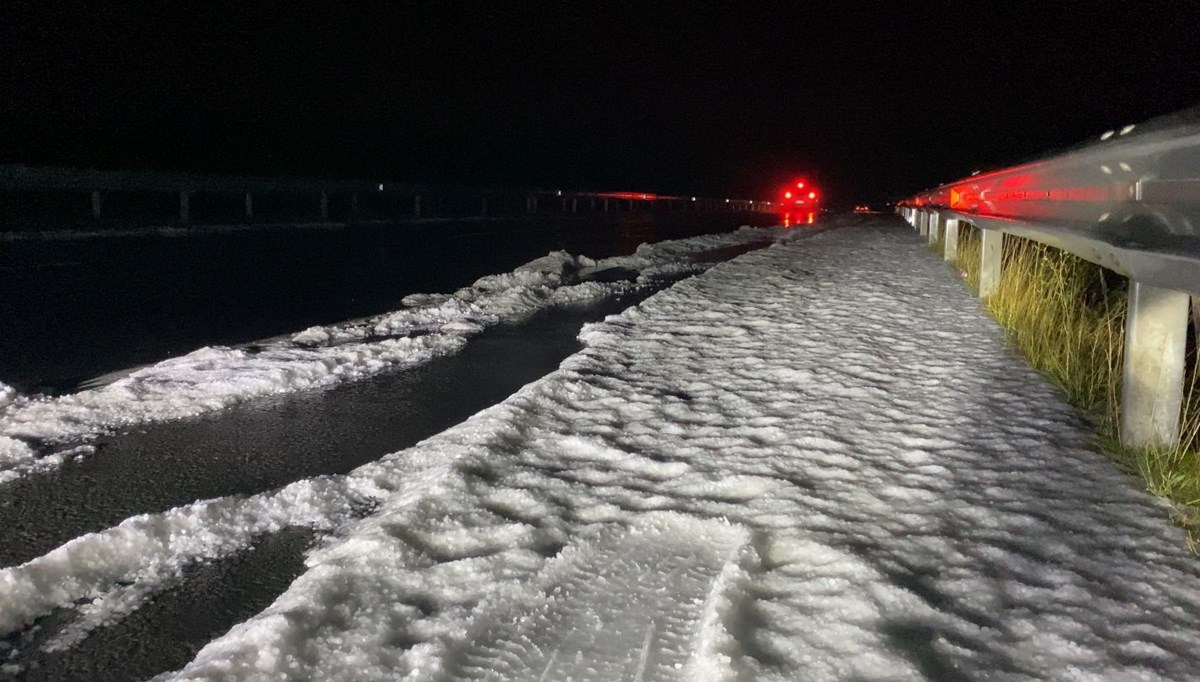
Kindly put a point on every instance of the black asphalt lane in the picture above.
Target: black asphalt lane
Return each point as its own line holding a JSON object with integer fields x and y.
{"x": 246, "y": 449}
{"x": 167, "y": 631}
{"x": 267, "y": 443}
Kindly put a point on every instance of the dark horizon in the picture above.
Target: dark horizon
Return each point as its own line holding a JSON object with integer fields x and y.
{"x": 871, "y": 104}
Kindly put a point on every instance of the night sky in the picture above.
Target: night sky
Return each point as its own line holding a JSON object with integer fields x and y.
{"x": 870, "y": 102}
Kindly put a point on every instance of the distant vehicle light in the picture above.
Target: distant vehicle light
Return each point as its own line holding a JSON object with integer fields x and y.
{"x": 787, "y": 195}
{"x": 799, "y": 185}
{"x": 812, "y": 195}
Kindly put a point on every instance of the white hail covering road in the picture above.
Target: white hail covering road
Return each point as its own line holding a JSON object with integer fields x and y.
{"x": 818, "y": 461}
{"x": 430, "y": 325}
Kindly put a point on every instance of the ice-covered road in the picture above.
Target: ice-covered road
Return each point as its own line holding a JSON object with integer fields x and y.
{"x": 816, "y": 461}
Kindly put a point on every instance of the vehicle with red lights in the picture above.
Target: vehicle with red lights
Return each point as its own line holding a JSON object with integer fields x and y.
{"x": 862, "y": 208}
{"x": 801, "y": 204}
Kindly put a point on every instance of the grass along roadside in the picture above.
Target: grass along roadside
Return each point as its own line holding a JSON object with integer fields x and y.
{"x": 1067, "y": 316}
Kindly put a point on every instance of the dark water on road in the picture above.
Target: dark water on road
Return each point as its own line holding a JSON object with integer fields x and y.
{"x": 72, "y": 309}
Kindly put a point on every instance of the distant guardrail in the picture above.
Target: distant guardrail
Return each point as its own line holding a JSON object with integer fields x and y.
{"x": 1129, "y": 201}
{"x": 33, "y": 196}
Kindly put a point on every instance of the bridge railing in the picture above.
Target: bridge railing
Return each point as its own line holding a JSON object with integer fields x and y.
{"x": 1128, "y": 201}
{"x": 74, "y": 197}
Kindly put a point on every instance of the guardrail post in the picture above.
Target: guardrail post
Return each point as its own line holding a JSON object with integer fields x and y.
{"x": 631, "y": 205}
{"x": 417, "y": 206}
{"x": 935, "y": 226}
{"x": 606, "y": 204}
{"x": 184, "y": 208}
{"x": 991, "y": 250}
{"x": 249, "y": 205}
{"x": 324, "y": 206}
{"x": 1152, "y": 377}
{"x": 923, "y": 223}
{"x": 96, "y": 204}
{"x": 950, "y": 254}
{"x": 574, "y": 204}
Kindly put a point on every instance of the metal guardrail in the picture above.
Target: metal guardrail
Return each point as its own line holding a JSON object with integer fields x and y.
{"x": 1128, "y": 201}
{"x": 102, "y": 184}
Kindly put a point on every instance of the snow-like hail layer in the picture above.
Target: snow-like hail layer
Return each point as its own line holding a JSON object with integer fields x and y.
{"x": 430, "y": 325}
{"x": 816, "y": 461}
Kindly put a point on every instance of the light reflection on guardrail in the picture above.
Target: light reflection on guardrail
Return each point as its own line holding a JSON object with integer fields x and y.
{"x": 1129, "y": 201}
